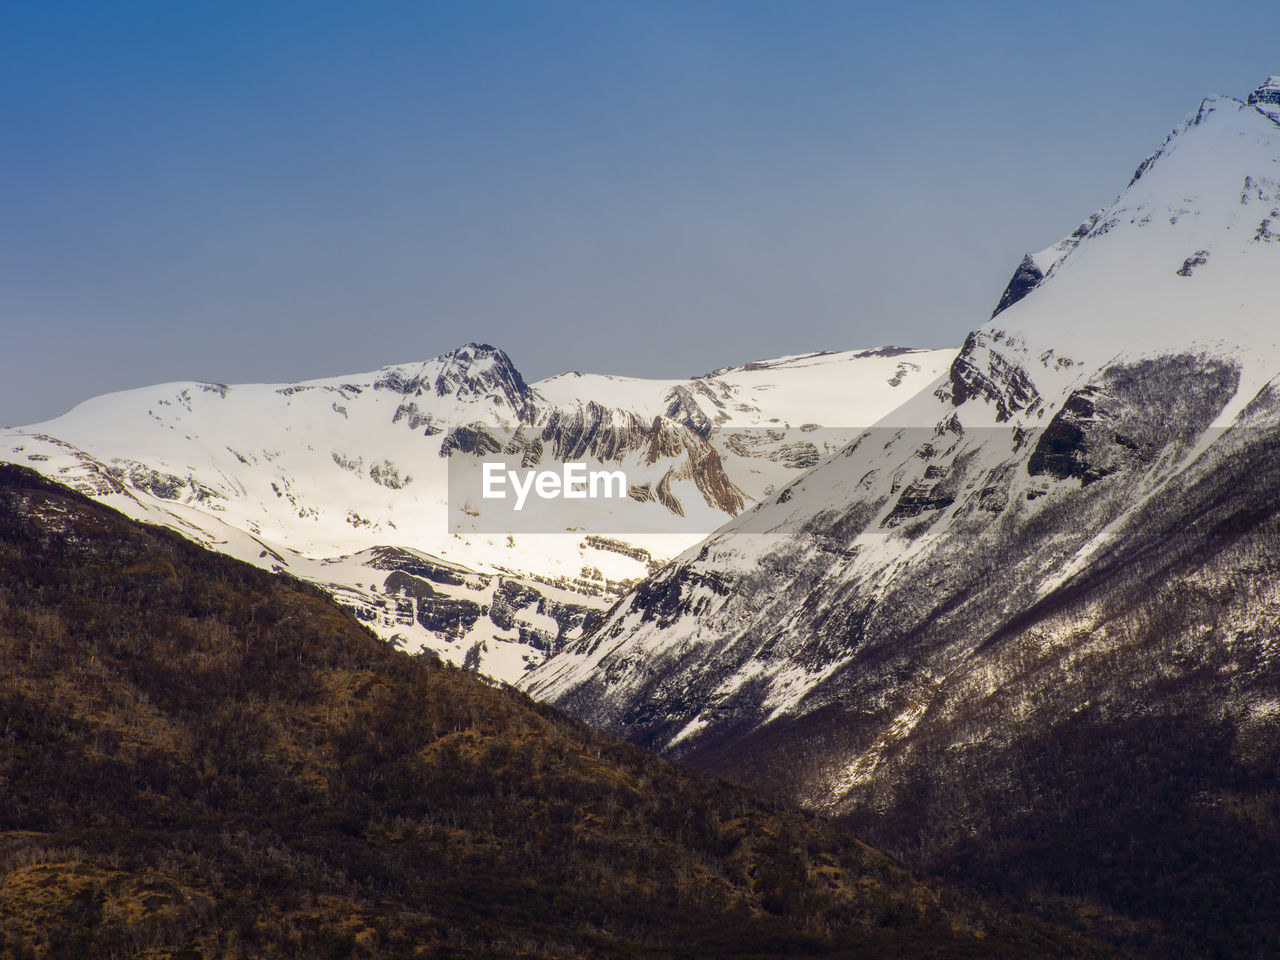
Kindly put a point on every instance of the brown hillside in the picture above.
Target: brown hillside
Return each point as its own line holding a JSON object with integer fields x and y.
{"x": 202, "y": 760}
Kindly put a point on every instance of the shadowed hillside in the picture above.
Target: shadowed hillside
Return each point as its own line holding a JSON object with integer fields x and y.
{"x": 199, "y": 759}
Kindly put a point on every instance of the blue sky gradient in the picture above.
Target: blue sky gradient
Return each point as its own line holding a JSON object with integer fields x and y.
{"x": 272, "y": 191}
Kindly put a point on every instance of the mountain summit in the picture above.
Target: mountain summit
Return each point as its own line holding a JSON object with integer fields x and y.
{"x": 1055, "y": 568}
{"x": 1267, "y": 98}
{"x": 349, "y": 481}
{"x": 474, "y": 371}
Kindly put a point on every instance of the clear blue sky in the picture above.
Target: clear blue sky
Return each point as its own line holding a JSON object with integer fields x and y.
{"x": 270, "y": 191}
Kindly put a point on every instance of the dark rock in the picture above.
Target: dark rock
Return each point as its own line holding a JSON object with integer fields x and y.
{"x": 1200, "y": 258}
{"x": 472, "y": 440}
{"x": 437, "y": 571}
{"x": 996, "y": 380}
{"x": 1025, "y": 279}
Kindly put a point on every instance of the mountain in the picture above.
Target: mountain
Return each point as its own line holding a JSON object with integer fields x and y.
{"x": 203, "y": 759}
{"x": 1026, "y": 627}
{"x": 346, "y": 481}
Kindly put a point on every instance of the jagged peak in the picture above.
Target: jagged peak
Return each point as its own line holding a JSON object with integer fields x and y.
{"x": 470, "y": 371}
{"x": 472, "y": 359}
{"x": 1266, "y": 99}
{"x": 1025, "y": 278}
{"x": 1269, "y": 92}
{"x": 1208, "y": 107}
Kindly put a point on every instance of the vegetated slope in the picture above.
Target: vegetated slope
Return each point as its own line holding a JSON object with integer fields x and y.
{"x": 200, "y": 759}
{"x": 352, "y": 482}
{"x": 1027, "y": 629}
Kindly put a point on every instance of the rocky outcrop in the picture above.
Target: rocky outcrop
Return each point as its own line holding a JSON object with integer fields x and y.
{"x": 426, "y": 568}
{"x": 1130, "y": 415}
{"x": 1267, "y": 97}
{"x": 982, "y": 371}
{"x": 593, "y": 430}
{"x": 684, "y": 406}
{"x": 165, "y": 486}
{"x": 473, "y": 371}
{"x": 1025, "y": 279}
{"x": 474, "y": 441}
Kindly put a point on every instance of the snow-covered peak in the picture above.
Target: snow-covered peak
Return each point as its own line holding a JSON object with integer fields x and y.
{"x": 472, "y": 371}
{"x": 1115, "y": 359}
{"x": 327, "y": 478}
{"x": 1196, "y": 228}
{"x": 1225, "y": 151}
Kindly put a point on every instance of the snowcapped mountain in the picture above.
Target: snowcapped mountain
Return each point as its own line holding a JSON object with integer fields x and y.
{"x": 1077, "y": 520}
{"x": 345, "y": 481}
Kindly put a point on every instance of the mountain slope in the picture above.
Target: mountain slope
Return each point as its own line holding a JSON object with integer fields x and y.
{"x": 346, "y": 481}
{"x": 202, "y": 759}
{"x": 1050, "y": 572}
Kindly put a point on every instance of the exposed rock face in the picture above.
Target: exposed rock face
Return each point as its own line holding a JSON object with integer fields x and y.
{"x": 982, "y": 371}
{"x": 683, "y": 407}
{"x": 425, "y": 568}
{"x": 1267, "y": 98}
{"x": 475, "y": 370}
{"x": 472, "y": 440}
{"x": 918, "y": 498}
{"x": 697, "y": 460}
{"x": 447, "y": 616}
{"x": 1116, "y": 423}
{"x": 798, "y": 456}
{"x": 593, "y": 430}
{"x": 1197, "y": 259}
{"x": 516, "y": 607}
{"x": 511, "y": 599}
{"x": 165, "y": 486}
{"x": 1025, "y": 279}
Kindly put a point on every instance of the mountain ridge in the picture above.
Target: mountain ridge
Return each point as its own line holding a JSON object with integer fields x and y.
{"x": 930, "y": 631}
{"x": 311, "y": 476}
